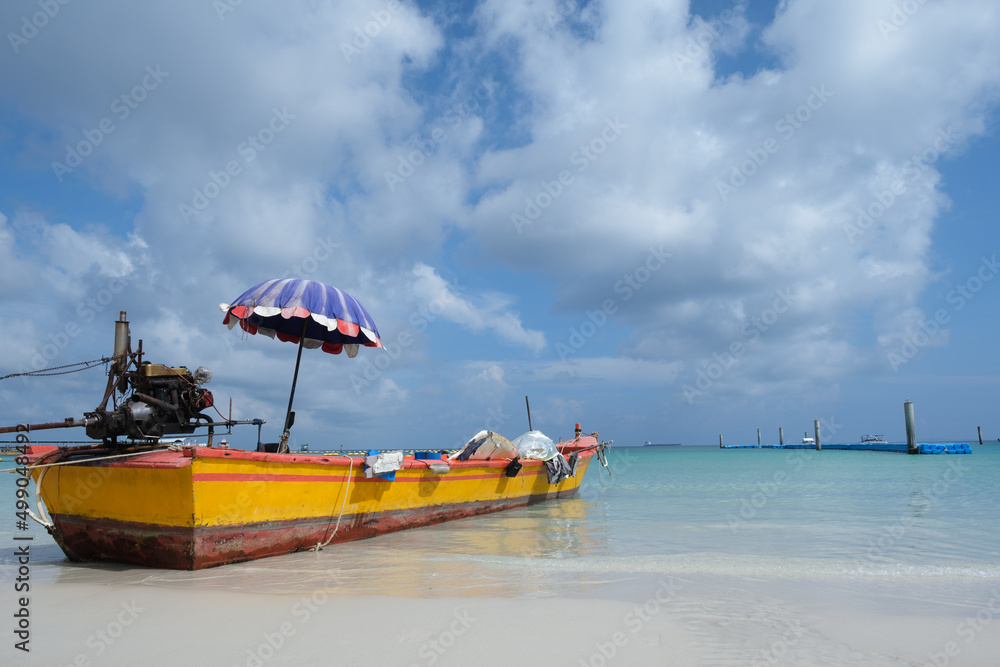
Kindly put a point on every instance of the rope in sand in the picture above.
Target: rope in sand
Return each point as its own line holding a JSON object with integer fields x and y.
{"x": 350, "y": 474}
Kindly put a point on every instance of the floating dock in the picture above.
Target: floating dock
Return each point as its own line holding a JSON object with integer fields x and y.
{"x": 922, "y": 448}
{"x": 869, "y": 443}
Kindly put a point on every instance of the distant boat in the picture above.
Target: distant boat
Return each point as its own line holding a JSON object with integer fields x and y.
{"x": 806, "y": 440}
{"x": 873, "y": 438}
{"x": 657, "y": 444}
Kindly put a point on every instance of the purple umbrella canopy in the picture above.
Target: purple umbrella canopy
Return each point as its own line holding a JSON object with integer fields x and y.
{"x": 310, "y": 313}
{"x": 333, "y": 319}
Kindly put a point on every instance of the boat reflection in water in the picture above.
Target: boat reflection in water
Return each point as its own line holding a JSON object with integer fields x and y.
{"x": 518, "y": 553}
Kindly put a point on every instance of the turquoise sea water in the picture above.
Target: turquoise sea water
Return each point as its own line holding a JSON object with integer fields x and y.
{"x": 705, "y": 510}
{"x": 753, "y": 538}
{"x": 848, "y": 513}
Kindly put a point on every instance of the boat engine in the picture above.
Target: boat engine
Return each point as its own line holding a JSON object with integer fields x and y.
{"x": 144, "y": 401}
{"x": 161, "y": 400}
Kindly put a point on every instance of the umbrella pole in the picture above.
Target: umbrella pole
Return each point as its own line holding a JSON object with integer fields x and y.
{"x": 283, "y": 444}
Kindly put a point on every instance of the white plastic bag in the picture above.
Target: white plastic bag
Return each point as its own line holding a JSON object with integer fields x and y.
{"x": 535, "y": 445}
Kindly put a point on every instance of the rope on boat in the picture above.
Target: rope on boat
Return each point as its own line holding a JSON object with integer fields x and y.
{"x": 44, "y": 372}
{"x": 42, "y": 517}
{"x": 172, "y": 448}
{"x": 602, "y": 456}
{"x": 45, "y": 522}
{"x": 99, "y": 458}
{"x": 350, "y": 475}
{"x": 42, "y": 442}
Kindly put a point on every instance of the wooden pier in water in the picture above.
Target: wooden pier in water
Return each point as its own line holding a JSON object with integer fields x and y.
{"x": 911, "y": 446}
{"x": 901, "y": 447}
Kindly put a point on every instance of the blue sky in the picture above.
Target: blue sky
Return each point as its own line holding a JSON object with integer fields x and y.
{"x": 664, "y": 220}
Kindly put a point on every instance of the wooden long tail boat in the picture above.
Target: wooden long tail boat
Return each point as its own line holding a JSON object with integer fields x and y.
{"x": 187, "y": 506}
{"x": 194, "y": 507}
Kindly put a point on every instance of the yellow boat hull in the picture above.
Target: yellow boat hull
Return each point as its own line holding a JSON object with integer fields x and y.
{"x": 200, "y": 506}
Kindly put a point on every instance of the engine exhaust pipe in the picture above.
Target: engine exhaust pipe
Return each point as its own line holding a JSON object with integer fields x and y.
{"x": 123, "y": 338}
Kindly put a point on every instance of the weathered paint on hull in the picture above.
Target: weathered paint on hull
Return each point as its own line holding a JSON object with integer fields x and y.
{"x": 185, "y": 548}
{"x": 201, "y": 508}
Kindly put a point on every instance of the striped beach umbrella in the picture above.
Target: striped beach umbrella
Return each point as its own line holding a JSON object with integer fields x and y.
{"x": 306, "y": 312}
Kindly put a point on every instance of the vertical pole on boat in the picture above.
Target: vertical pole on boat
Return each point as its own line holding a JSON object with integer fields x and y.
{"x": 528, "y": 406}
{"x": 819, "y": 445}
{"x": 911, "y": 430}
{"x": 781, "y": 435}
{"x": 283, "y": 444}
{"x": 120, "y": 356}
{"x": 758, "y": 437}
{"x": 980, "y": 429}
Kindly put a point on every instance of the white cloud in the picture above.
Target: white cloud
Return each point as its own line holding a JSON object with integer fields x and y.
{"x": 857, "y": 128}
{"x": 599, "y": 95}
{"x": 490, "y": 312}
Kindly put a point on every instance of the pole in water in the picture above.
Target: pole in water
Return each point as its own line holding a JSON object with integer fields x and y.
{"x": 911, "y": 431}
{"x": 819, "y": 445}
{"x": 781, "y": 435}
{"x": 720, "y": 441}
{"x": 528, "y": 406}
{"x": 980, "y": 429}
{"x": 758, "y": 437}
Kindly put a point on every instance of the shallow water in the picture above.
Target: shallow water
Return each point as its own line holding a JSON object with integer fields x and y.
{"x": 746, "y": 541}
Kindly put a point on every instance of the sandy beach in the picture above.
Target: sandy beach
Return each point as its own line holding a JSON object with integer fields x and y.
{"x": 280, "y": 612}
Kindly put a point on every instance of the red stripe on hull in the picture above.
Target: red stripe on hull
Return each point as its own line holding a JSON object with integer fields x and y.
{"x": 265, "y": 477}
{"x": 184, "y": 548}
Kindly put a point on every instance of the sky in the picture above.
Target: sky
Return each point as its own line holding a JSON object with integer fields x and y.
{"x": 663, "y": 220}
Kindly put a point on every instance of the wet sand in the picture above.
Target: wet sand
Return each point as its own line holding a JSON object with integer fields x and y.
{"x": 310, "y": 609}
